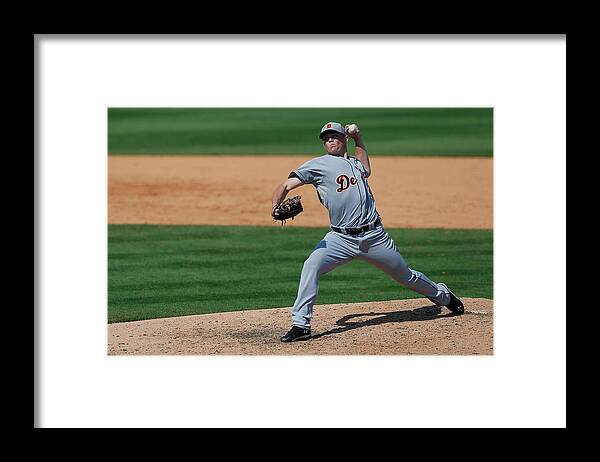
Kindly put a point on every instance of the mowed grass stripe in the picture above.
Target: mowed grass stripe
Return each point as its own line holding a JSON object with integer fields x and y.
{"x": 272, "y": 131}
{"x": 161, "y": 271}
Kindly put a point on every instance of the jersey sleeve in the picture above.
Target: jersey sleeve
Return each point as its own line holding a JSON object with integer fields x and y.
{"x": 308, "y": 172}
{"x": 361, "y": 167}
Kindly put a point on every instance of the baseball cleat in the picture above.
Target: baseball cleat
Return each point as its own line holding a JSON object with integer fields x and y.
{"x": 455, "y": 305}
{"x": 296, "y": 333}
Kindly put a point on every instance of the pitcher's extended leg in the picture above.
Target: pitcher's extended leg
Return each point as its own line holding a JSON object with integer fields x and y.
{"x": 381, "y": 251}
{"x": 330, "y": 253}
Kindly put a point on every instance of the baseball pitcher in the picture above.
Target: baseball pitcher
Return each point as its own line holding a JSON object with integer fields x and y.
{"x": 342, "y": 187}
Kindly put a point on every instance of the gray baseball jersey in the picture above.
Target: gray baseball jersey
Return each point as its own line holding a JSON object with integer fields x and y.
{"x": 342, "y": 187}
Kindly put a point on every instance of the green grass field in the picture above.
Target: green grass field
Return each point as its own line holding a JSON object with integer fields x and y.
{"x": 162, "y": 271}
{"x": 250, "y": 131}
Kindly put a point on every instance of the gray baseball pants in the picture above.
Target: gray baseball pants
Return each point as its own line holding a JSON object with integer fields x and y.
{"x": 375, "y": 247}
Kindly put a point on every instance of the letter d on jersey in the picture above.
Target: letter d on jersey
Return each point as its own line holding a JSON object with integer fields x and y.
{"x": 343, "y": 181}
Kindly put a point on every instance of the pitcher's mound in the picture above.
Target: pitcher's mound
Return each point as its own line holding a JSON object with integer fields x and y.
{"x": 396, "y": 327}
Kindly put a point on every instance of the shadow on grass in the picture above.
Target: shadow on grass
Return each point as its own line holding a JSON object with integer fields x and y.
{"x": 425, "y": 313}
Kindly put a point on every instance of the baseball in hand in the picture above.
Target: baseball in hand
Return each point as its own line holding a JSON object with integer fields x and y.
{"x": 352, "y": 129}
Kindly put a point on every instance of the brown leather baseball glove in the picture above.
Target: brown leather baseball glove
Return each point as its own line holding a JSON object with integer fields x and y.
{"x": 289, "y": 208}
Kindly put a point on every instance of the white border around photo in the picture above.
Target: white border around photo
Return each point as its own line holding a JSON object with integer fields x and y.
{"x": 522, "y": 385}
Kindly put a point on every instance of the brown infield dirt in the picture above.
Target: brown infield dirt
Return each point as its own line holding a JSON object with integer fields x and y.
{"x": 411, "y": 192}
{"x": 396, "y": 327}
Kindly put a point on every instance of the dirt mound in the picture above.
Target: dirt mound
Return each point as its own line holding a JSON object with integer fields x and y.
{"x": 396, "y": 327}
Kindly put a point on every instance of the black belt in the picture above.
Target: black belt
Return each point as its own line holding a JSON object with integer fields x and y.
{"x": 362, "y": 229}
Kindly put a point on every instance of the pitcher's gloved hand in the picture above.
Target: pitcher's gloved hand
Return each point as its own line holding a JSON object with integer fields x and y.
{"x": 289, "y": 208}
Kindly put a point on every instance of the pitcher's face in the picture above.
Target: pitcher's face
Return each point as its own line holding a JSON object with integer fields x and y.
{"x": 335, "y": 143}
